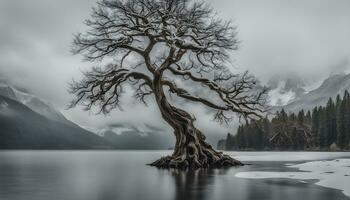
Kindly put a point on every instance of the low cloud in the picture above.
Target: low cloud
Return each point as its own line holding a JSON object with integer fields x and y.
{"x": 308, "y": 38}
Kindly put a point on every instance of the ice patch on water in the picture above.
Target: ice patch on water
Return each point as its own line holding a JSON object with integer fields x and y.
{"x": 329, "y": 173}
{"x": 286, "y": 156}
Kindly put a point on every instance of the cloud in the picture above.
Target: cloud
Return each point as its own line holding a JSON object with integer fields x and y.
{"x": 304, "y": 37}
{"x": 35, "y": 45}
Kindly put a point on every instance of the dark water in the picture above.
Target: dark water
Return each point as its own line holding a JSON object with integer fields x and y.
{"x": 123, "y": 175}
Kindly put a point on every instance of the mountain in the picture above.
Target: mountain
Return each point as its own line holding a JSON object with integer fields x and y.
{"x": 27, "y": 122}
{"x": 36, "y": 104}
{"x": 7, "y": 91}
{"x": 37, "y": 120}
{"x": 141, "y": 137}
{"x": 331, "y": 87}
{"x": 284, "y": 89}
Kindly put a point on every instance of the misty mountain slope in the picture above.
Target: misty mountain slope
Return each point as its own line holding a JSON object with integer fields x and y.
{"x": 133, "y": 138}
{"x": 119, "y": 137}
{"x": 22, "y": 128}
{"x": 331, "y": 87}
{"x": 285, "y": 88}
{"x": 36, "y": 104}
{"x": 7, "y": 91}
{"x": 40, "y": 107}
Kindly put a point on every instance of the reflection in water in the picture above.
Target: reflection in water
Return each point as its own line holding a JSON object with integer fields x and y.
{"x": 197, "y": 184}
{"x": 123, "y": 175}
{"x": 192, "y": 184}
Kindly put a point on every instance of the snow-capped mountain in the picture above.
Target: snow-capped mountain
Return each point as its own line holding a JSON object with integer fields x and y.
{"x": 127, "y": 136}
{"x": 36, "y": 104}
{"x": 27, "y": 122}
{"x": 284, "y": 89}
{"x": 331, "y": 87}
{"x": 116, "y": 135}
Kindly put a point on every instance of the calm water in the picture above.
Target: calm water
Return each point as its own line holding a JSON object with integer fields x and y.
{"x": 123, "y": 175}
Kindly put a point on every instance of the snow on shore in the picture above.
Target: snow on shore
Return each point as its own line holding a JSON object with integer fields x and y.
{"x": 329, "y": 173}
{"x": 285, "y": 156}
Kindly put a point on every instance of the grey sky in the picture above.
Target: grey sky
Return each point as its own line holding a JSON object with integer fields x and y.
{"x": 307, "y": 37}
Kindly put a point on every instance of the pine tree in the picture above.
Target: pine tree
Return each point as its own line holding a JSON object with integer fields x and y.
{"x": 283, "y": 117}
{"x": 267, "y": 129}
{"x": 259, "y": 136}
{"x": 315, "y": 126}
{"x": 241, "y": 141}
{"x": 328, "y": 124}
{"x": 323, "y": 127}
{"x": 301, "y": 116}
{"x": 292, "y": 117}
{"x": 346, "y": 98}
{"x": 341, "y": 124}
{"x": 247, "y": 135}
{"x": 331, "y": 122}
{"x": 338, "y": 101}
{"x": 308, "y": 117}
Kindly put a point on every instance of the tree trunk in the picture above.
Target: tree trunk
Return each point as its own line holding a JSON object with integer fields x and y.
{"x": 191, "y": 150}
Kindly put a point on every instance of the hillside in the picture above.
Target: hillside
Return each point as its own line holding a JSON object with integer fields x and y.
{"x": 40, "y": 126}
{"x": 330, "y": 88}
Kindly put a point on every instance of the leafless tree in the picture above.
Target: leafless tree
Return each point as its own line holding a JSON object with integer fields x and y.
{"x": 152, "y": 44}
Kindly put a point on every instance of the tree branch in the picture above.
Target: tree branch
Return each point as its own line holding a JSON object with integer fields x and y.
{"x": 190, "y": 37}
{"x": 185, "y": 94}
{"x": 238, "y": 96}
{"x": 103, "y": 87}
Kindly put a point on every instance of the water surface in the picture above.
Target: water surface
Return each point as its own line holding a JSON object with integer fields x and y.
{"x": 123, "y": 175}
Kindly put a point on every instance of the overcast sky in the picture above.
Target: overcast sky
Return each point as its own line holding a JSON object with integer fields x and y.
{"x": 308, "y": 37}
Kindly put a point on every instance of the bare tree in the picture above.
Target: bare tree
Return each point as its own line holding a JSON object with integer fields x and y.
{"x": 152, "y": 44}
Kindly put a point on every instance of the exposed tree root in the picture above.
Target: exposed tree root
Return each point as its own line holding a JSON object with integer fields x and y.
{"x": 189, "y": 163}
{"x": 191, "y": 150}
{"x": 197, "y": 55}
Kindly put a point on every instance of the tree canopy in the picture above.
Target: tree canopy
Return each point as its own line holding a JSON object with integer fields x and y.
{"x": 178, "y": 46}
{"x": 136, "y": 41}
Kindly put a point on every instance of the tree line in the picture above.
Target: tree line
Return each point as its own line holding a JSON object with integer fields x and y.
{"x": 323, "y": 128}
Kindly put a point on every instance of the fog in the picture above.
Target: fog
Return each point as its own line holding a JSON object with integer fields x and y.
{"x": 307, "y": 38}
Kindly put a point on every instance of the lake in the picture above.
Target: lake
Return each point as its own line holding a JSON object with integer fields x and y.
{"x": 123, "y": 175}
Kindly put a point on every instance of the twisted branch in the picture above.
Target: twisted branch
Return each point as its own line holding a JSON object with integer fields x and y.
{"x": 103, "y": 87}
{"x": 194, "y": 45}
